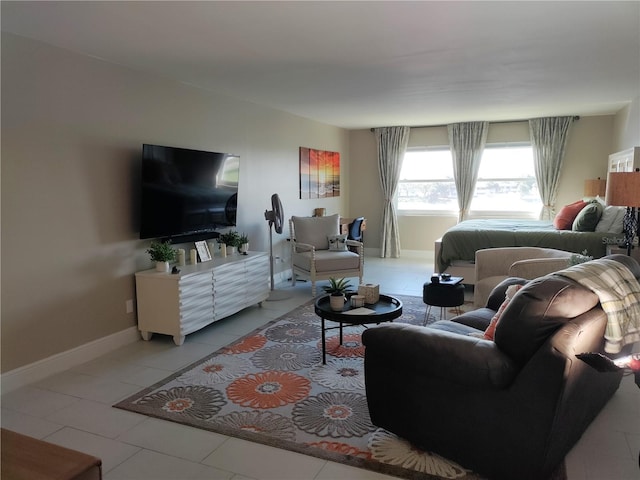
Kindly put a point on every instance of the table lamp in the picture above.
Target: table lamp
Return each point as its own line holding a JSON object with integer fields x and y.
{"x": 595, "y": 187}
{"x": 623, "y": 190}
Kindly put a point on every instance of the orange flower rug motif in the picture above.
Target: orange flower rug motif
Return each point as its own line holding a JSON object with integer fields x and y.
{"x": 270, "y": 387}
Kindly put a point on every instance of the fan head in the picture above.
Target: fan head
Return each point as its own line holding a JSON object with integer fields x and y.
{"x": 275, "y": 216}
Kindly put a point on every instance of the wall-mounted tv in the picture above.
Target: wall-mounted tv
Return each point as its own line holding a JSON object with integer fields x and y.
{"x": 187, "y": 193}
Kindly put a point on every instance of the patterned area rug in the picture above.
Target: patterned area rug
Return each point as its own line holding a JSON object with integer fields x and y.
{"x": 270, "y": 387}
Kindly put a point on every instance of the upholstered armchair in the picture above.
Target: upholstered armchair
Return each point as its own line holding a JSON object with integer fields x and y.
{"x": 319, "y": 251}
{"x": 495, "y": 264}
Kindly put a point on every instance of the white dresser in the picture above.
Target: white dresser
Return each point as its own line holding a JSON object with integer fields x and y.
{"x": 179, "y": 304}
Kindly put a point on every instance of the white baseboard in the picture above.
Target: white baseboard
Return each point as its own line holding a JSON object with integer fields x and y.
{"x": 63, "y": 361}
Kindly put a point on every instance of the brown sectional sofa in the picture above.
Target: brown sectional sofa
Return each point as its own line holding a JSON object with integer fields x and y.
{"x": 510, "y": 408}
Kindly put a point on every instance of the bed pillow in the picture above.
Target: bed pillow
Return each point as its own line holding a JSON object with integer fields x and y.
{"x": 611, "y": 220}
{"x": 567, "y": 214}
{"x": 588, "y": 217}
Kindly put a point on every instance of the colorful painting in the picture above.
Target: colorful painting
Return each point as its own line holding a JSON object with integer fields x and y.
{"x": 319, "y": 173}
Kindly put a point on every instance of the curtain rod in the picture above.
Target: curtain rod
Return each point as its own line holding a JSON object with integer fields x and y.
{"x": 575, "y": 117}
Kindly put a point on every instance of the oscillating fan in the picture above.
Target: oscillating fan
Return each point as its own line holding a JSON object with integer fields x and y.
{"x": 275, "y": 217}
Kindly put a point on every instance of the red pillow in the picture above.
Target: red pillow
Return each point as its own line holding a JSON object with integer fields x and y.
{"x": 489, "y": 333}
{"x": 567, "y": 214}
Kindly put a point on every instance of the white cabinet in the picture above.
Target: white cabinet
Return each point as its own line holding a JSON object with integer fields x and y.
{"x": 179, "y": 304}
{"x": 625, "y": 161}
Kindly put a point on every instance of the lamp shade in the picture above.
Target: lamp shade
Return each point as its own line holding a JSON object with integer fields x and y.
{"x": 595, "y": 187}
{"x": 623, "y": 189}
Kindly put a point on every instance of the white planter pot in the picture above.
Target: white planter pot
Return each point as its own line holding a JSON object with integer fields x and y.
{"x": 244, "y": 248}
{"x": 336, "y": 302}
{"x": 231, "y": 250}
{"x": 162, "y": 267}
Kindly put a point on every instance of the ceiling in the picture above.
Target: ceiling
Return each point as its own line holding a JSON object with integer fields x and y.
{"x": 366, "y": 63}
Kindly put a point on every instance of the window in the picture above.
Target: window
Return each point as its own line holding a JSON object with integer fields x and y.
{"x": 426, "y": 182}
{"x": 506, "y": 181}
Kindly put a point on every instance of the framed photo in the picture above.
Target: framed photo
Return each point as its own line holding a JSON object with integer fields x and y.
{"x": 203, "y": 251}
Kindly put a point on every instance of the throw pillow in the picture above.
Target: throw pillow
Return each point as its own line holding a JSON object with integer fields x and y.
{"x": 491, "y": 329}
{"x": 588, "y": 217}
{"x": 337, "y": 242}
{"x": 611, "y": 220}
{"x": 567, "y": 214}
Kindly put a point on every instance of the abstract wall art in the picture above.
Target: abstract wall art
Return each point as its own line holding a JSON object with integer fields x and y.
{"x": 319, "y": 173}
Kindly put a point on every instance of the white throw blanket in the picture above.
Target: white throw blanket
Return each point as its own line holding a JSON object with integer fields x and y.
{"x": 619, "y": 294}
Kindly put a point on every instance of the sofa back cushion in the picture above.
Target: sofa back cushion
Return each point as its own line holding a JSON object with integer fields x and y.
{"x": 316, "y": 230}
{"x": 541, "y": 307}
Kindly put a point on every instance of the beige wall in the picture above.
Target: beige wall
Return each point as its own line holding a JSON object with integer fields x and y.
{"x": 72, "y": 130}
{"x": 589, "y": 145}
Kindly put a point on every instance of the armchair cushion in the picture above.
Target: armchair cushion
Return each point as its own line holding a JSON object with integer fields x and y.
{"x": 315, "y": 231}
{"x": 327, "y": 260}
{"x": 337, "y": 242}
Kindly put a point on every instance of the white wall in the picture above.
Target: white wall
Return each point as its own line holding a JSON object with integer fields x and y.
{"x": 72, "y": 131}
{"x": 627, "y": 126}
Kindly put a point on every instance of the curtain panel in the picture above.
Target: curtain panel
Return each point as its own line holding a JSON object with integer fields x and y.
{"x": 467, "y": 141}
{"x": 392, "y": 143}
{"x": 549, "y": 140}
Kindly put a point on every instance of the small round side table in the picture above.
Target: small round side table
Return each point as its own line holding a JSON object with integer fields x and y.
{"x": 444, "y": 295}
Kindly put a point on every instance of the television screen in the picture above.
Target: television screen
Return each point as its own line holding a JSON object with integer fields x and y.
{"x": 187, "y": 192}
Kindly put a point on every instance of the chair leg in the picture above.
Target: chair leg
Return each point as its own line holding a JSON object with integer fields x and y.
{"x": 426, "y": 314}
{"x": 313, "y": 287}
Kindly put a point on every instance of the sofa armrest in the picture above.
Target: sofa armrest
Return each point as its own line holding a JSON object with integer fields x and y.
{"x": 302, "y": 247}
{"x": 537, "y": 267}
{"x": 462, "y": 359}
{"x": 492, "y": 262}
{"x": 359, "y": 246}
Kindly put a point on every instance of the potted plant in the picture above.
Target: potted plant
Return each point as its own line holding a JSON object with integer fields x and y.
{"x": 231, "y": 240}
{"x": 243, "y": 246}
{"x": 162, "y": 253}
{"x": 337, "y": 289}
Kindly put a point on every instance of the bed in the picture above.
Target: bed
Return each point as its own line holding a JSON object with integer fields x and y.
{"x": 455, "y": 251}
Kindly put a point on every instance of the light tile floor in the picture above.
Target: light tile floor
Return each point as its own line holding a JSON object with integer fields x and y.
{"x": 73, "y": 408}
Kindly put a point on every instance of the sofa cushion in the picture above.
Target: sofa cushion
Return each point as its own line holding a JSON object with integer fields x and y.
{"x": 489, "y": 333}
{"x": 328, "y": 260}
{"x": 478, "y": 318}
{"x": 537, "y": 311}
{"x": 567, "y": 214}
{"x": 337, "y": 242}
{"x": 588, "y": 217}
{"x": 316, "y": 230}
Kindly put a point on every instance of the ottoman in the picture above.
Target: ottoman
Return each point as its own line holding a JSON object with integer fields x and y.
{"x": 444, "y": 295}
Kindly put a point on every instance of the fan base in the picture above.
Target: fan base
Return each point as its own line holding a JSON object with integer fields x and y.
{"x": 277, "y": 295}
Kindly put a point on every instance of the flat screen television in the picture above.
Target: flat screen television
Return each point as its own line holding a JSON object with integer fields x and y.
{"x": 187, "y": 193}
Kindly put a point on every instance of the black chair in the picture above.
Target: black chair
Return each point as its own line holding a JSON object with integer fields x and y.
{"x": 355, "y": 229}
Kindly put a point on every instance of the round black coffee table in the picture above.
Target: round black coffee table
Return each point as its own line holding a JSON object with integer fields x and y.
{"x": 386, "y": 309}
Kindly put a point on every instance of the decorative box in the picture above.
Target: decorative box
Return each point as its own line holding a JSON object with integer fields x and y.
{"x": 370, "y": 292}
{"x": 357, "y": 301}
